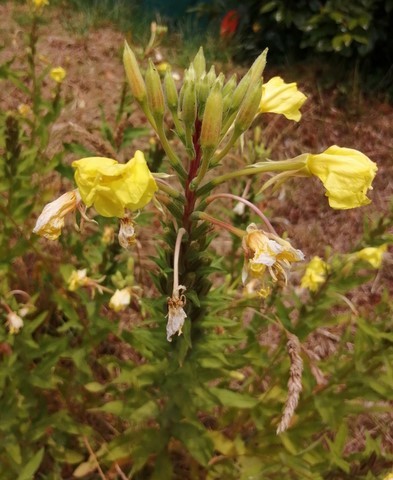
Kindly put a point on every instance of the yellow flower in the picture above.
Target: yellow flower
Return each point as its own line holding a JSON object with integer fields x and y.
{"x": 315, "y": 274}
{"x": 347, "y": 175}
{"x": 267, "y": 252}
{"x": 51, "y": 220}
{"x": 57, "y": 74}
{"x": 120, "y": 300}
{"x": 78, "y": 278}
{"x": 111, "y": 186}
{"x": 24, "y": 109}
{"x": 281, "y": 97}
{"x": 14, "y": 322}
{"x": 372, "y": 255}
{"x": 40, "y": 3}
{"x": 389, "y": 476}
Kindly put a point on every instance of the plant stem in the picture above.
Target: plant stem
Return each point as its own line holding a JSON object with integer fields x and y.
{"x": 176, "y": 256}
{"x": 219, "y": 223}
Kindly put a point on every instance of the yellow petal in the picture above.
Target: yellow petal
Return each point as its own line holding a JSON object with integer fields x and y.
{"x": 283, "y": 98}
{"x": 315, "y": 274}
{"x": 111, "y": 187}
{"x": 372, "y": 255}
{"x": 346, "y": 173}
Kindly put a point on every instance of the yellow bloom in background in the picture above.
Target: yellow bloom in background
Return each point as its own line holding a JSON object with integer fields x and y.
{"x": 389, "y": 476}
{"x": 346, "y": 173}
{"x": 283, "y": 98}
{"x": 24, "y": 110}
{"x": 58, "y": 74}
{"x": 37, "y": 4}
{"x": 51, "y": 221}
{"x": 120, "y": 299}
{"x": 266, "y": 252}
{"x": 372, "y": 255}
{"x": 111, "y": 186}
{"x": 315, "y": 274}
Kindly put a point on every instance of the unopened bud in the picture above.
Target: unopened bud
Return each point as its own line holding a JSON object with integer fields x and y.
{"x": 199, "y": 64}
{"x": 172, "y": 98}
{"x": 212, "y": 119}
{"x": 230, "y": 86}
{"x": 155, "y": 95}
{"x": 240, "y": 91}
{"x": 211, "y": 76}
{"x": 134, "y": 76}
{"x": 203, "y": 91}
{"x": 258, "y": 67}
{"x": 189, "y": 106}
{"x": 249, "y": 107}
{"x": 220, "y": 80}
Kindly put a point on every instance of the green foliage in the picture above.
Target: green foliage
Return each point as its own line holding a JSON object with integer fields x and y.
{"x": 83, "y": 387}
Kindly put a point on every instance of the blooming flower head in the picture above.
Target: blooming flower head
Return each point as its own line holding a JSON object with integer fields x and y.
{"x": 372, "y": 255}
{"x": 14, "y": 322}
{"x": 127, "y": 237}
{"x": 51, "y": 221}
{"x": 38, "y": 4}
{"x": 111, "y": 186}
{"x": 120, "y": 299}
{"x": 315, "y": 274}
{"x": 346, "y": 173}
{"x": 176, "y": 314}
{"x": 57, "y": 74}
{"x": 281, "y": 97}
{"x": 267, "y": 252}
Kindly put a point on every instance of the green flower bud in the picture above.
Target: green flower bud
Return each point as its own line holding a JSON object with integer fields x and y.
{"x": 212, "y": 119}
{"x": 134, "y": 76}
{"x": 189, "y": 105}
{"x": 203, "y": 91}
{"x": 230, "y": 86}
{"x": 199, "y": 64}
{"x": 258, "y": 67}
{"x": 155, "y": 95}
{"x": 249, "y": 107}
{"x": 240, "y": 91}
{"x": 170, "y": 91}
{"x": 211, "y": 76}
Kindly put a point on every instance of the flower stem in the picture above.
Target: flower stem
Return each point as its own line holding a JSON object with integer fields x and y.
{"x": 263, "y": 167}
{"x": 246, "y": 202}
{"x": 176, "y": 256}
{"x": 219, "y": 223}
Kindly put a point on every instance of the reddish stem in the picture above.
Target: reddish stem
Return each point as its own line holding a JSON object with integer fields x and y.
{"x": 192, "y": 172}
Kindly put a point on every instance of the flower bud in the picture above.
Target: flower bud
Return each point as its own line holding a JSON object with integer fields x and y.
{"x": 203, "y": 91}
{"x": 240, "y": 91}
{"x": 134, "y": 76}
{"x": 211, "y": 76}
{"x": 258, "y": 67}
{"x": 230, "y": 86}
{"x": 189, "y": 106}
{"x": 155, "y": 95}
{"x": 172, "y": 97}
{"x": 249, "y": 108}
{"x": 199, "y": 64}
{"x": 212, "y": 119}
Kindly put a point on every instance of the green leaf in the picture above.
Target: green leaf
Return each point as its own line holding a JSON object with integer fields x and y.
{"x": 228, "y": 398}
{"x": 196, "y": 440}
{"x": 32, "y": 466}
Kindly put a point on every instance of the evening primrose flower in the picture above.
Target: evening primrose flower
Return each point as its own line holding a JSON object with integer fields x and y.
{"x": 315, "y": 274}
{"x": 78, "y": 278}
{"x": 176, "y": 314}
{"x": 51, "y": 221}
{"x": 14, "y": 322}
{"x": 346, "y": 173}
{"x": 264, "y": 252}
{"x": 57, "y": 74}
{"x": 38, "y": 4}
{"x": 372, "y": 255}
{"x": 120, "y": 299}
{"x": 283, "y": 98}
{"x": 111, "y": 186}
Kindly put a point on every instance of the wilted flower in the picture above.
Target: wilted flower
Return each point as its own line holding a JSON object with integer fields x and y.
{"x": 120, "y": 299}
{"x": 281, "y": 97}
{"x": 346, "y": 173}
{"x": 266, "y": 251}
{"x": 127, "y": 237}
{"x": 51, "y": 220}
{"x": 176, "y": 314}
{"x": 111, "y": 186}
{"x": 14, "y": 322}
{"x": 57, "y": 74}
{"x": 372, "y": 255}
{"x": 315, "y": 274}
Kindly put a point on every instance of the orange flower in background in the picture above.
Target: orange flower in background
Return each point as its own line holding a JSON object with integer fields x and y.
{"x": 229, "y": 24}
